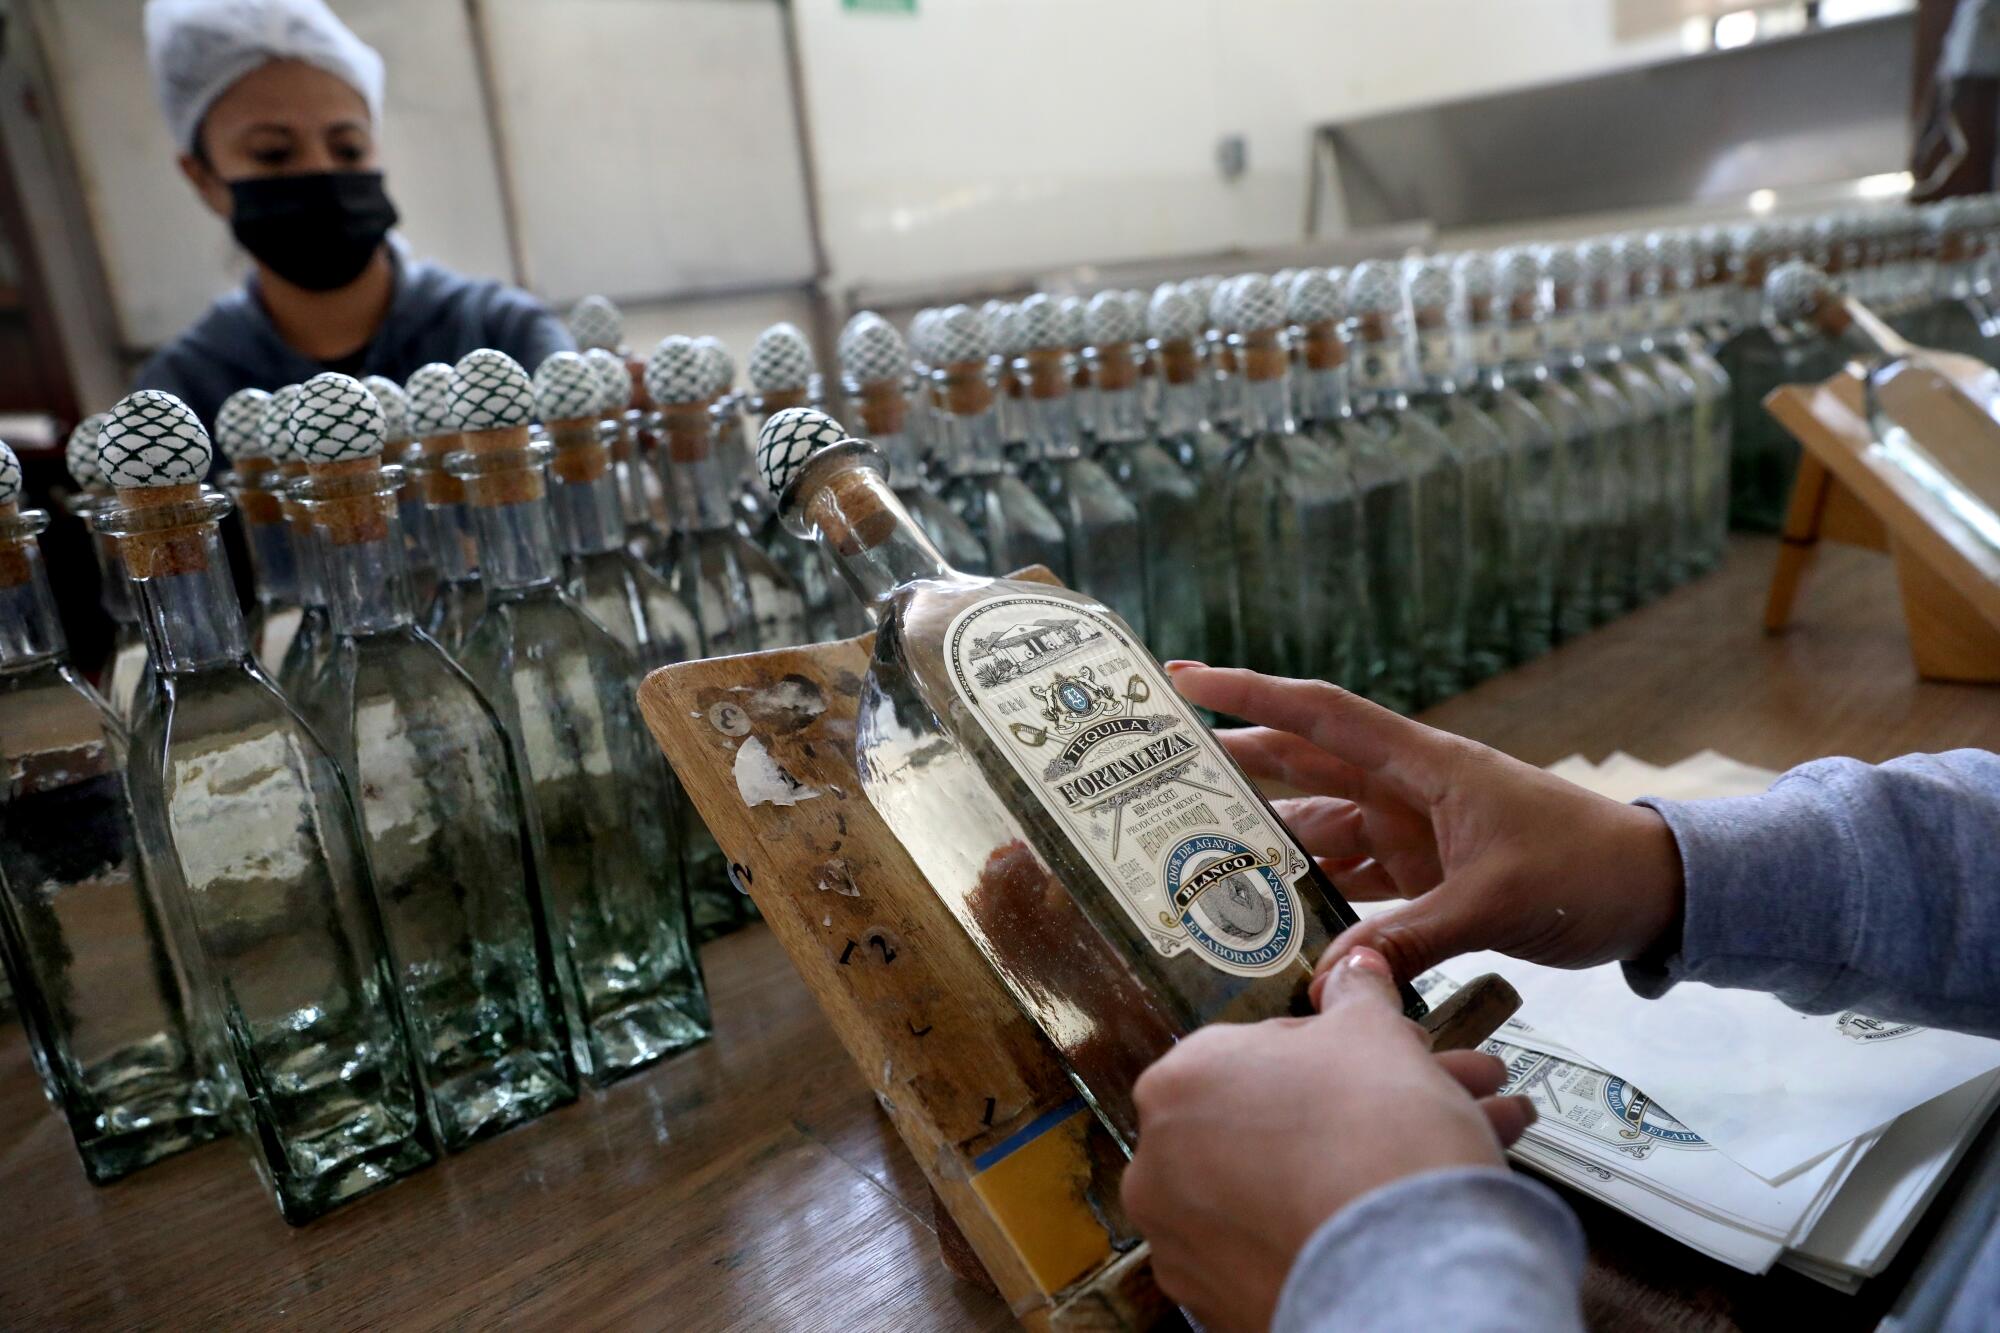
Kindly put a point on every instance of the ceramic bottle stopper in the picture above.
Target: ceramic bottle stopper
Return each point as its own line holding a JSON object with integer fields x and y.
{"x": 874, "y": 362}
{"x": 154, "y": 453}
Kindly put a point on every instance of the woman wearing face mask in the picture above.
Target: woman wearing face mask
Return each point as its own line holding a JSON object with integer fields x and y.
{"x": 274, "y": 105}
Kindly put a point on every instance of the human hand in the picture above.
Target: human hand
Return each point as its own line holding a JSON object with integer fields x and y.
{"x": 1250, "y": 1136}
{"x": 1492, "y": 853}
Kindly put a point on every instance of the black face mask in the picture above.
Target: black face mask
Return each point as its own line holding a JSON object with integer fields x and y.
{"x": 316, "y": 231}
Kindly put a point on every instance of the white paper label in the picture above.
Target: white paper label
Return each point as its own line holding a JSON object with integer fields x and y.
{"x": 1123, "y": 766}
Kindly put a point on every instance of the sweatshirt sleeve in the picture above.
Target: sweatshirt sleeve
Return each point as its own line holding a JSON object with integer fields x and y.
{"x": 1848, "y": 885}
{"x": 1476, "y": 1249}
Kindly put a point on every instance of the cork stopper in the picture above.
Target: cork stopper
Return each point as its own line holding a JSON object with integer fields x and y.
{"x": 1112, "y": 327}
{"x": 791, "y": 437}
{"x": 154, "y": 451}
{"x": 781, "y": 365}
{"x": 871, "y": 351}
{"x": 721, "y": 372}
{"x": 1257, "y": 318}
{"x": 337, "y": 430}
{"x": 492, "y": 405}
{"x": 1798, "y": 291}
{"x": 1313, "y": 304}
{"x": 848, "y": 512}
{"x": 960, "y": 345}
{"x": 595, "y": 322}
{"x": 80, "y": 454}
{"x": 567, "y": 390}
{"x": 614, "y": 382}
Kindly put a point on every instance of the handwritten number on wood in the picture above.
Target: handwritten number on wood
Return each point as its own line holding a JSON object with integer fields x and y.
{"x": 882, "y": 944}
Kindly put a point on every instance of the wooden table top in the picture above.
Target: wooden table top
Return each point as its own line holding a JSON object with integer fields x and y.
{"x": 752, "y": 1183}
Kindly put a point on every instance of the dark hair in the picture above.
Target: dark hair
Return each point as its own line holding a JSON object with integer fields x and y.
{"x": 198, "y": 150}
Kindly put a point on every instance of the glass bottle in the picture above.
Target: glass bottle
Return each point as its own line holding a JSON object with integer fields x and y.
{"x": 312, "y": 642}
{"x": 1175, "y": 321}
{"x": 1706, "y": 517}
{"x": 1670, "y": 556}
{"x": 1100, "y": 525}
{"x": 755, "y": 512}
{"x": 459, "y": 599}
{"x": 1478, "y": 446}
{"x": 603, "y": 797}
{"x": 126, "y": 669}
{"x": 250, "y": 845}
{"x": 450, "y": 840}
{"x": 615, "y": 588}
{"x": 80, "y": 939}
{"x": 1012, "y": 524}
{"x": 256, "y": 485}
{"x": 1174, "y": 517}
{"x": 1636, "y": 475}
{"x": 629, "y": 469}
{"x": 1535, "y": 472}
{"x": 1010, "y": 403}
{"x": 1437, "y": 554}
{"x": 1361, "y": 474}
{"x": 1951, "y": 321}
{"x": 742, "y": 600}
{"x": 873, "y": 363}
{"x": 1124, "y": 879}
{"x": 419, "y": 562}
{"x": 1612, "y": 429}
{"x": 781, "y": 373}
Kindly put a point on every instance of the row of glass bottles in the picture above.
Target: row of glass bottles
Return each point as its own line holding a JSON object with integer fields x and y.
{"x": 395, "y": 910}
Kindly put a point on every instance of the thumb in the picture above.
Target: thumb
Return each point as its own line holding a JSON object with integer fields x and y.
{"x": 1361, "y": 977}
{"x": 1415, "y": 936}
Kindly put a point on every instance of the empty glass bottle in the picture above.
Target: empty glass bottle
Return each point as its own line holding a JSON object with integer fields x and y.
{"x": 1359, "y": 471}
{"x": 874, "y": 364}
{"x": 1175, "y": 321}
{"x": 312, "y": 641}
{"x": 1100, "y": 525}
{"x": 1382, "y": 376}
{"x": 781, "y": 373}
{"x": 1437, "y": 335}
{"x": 741, "y": 598}
{"x": 450, "y": 840}
{"x": 1534, "y": 460}
{"x": 1126, "y": 881}
{"x": 634, "y": 475}
{"x": 126, "y": 668}
{"x": 1669, "y": 553}
{"x": 257, "y": 486}
{"x": 603, "y": 797}
{"x": 1009, "y": 519}
{"x": 459, "y": 599}
{"x": 79, "y": 938}
{"x": 1635, "y": 476}
{"x": 1174, "y": 516}
{"x": 1599, "y": 478}
{"x": 251, "y": 846}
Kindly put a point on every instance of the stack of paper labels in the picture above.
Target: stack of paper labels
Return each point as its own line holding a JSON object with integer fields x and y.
{"x": 1751, "y": 1132}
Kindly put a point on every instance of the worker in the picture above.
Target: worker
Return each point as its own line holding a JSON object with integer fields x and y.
{"x": 1376, "y": 1196}
{"x": 275, "y": 107}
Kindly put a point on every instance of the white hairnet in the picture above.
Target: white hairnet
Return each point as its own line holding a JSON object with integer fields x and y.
{"x": 198, "y": 48}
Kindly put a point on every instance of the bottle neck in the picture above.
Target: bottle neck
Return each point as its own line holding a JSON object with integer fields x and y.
{"x": 703, "y": 490}
{"x": 171, "y": 544}
{"x": 628, "y": 465}
{"x": 1382, "y": 370}
{"x": 589, "y": 516}
{"x": 506, "y": 488}
{"x": 114, "y": 594}
{"x": 1183, "y": 389}
{"x": 30, "y": 632}
{"x": 1118, "y": 404}
{"x": 1434, "y": 350}
{"x": 968, "y": 434}
{"x": 1052, "y": 431}
{"x": 258, "y": 488}
{"x": 360, "y": 538}
{"x": 845, "y": 502}
{"x": 304, "y": 543}
{"x": 1264, "y": 391}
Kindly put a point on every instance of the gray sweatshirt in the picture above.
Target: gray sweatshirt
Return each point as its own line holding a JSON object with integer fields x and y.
{"x": 1844, "y": 886}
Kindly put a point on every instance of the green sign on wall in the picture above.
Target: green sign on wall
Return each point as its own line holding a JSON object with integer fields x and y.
{"x": 882, "y": 6}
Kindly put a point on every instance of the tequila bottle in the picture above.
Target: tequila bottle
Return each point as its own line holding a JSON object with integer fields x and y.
{"x": 635, "y": 477}
{"x": 1361, "y": 474}
{"x": 1202, "y": 451}
{"x": 459, "y": 599}
{"x": 874, "y": 363}
{"x": 450, "y": 840}
{"x": 741, "y": 598}
{"x": 1100, "y": 525}
{"x": 126, "y": 668}
{"x": 1174, "y": 515}
{"x": 1381, "y": 381}
{"x": 1073, "y": 337}
{"x": 620, "y": 592}
{"x": 1125, "y": 880}
{"x": 79, "y": 937}
{"x": 755, "y": 512}
{"x": 1012, "y": 524}
{"x": 1010, "y": 404}
{"x": 419, "y": 560}
{"x": 252, "y": 851}
{"x": 312, "y": 642}
{"x": 1706, "y": 519}
{"x": 1670, "y": 556}
{"x": 1952, "y": 321}
{"x": 1612, "y": 430}
{"x": 1763, "y": 354}
{"x": 781, "y": 374}
{"x": 1637, "y": 474}
{"x": 1534, "y": 461}
{"x": 256, "y": 484}
{"x": 1441, "y": 392}
{"x": 603, "y": 797}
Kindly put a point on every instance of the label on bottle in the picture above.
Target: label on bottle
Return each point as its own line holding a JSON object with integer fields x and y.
{"x": 1523, "y": 343}
{"x": 1380, "y": 366}
{"x": 1086, "y": 717}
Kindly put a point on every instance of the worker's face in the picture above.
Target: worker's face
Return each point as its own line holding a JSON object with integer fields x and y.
{"x": 285, "y": 118}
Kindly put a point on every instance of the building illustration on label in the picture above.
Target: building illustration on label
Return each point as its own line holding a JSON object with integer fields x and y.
{"x": 1124, "y": 766}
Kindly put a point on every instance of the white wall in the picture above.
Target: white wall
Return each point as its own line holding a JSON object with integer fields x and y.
{"x": 983, "y": 134}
